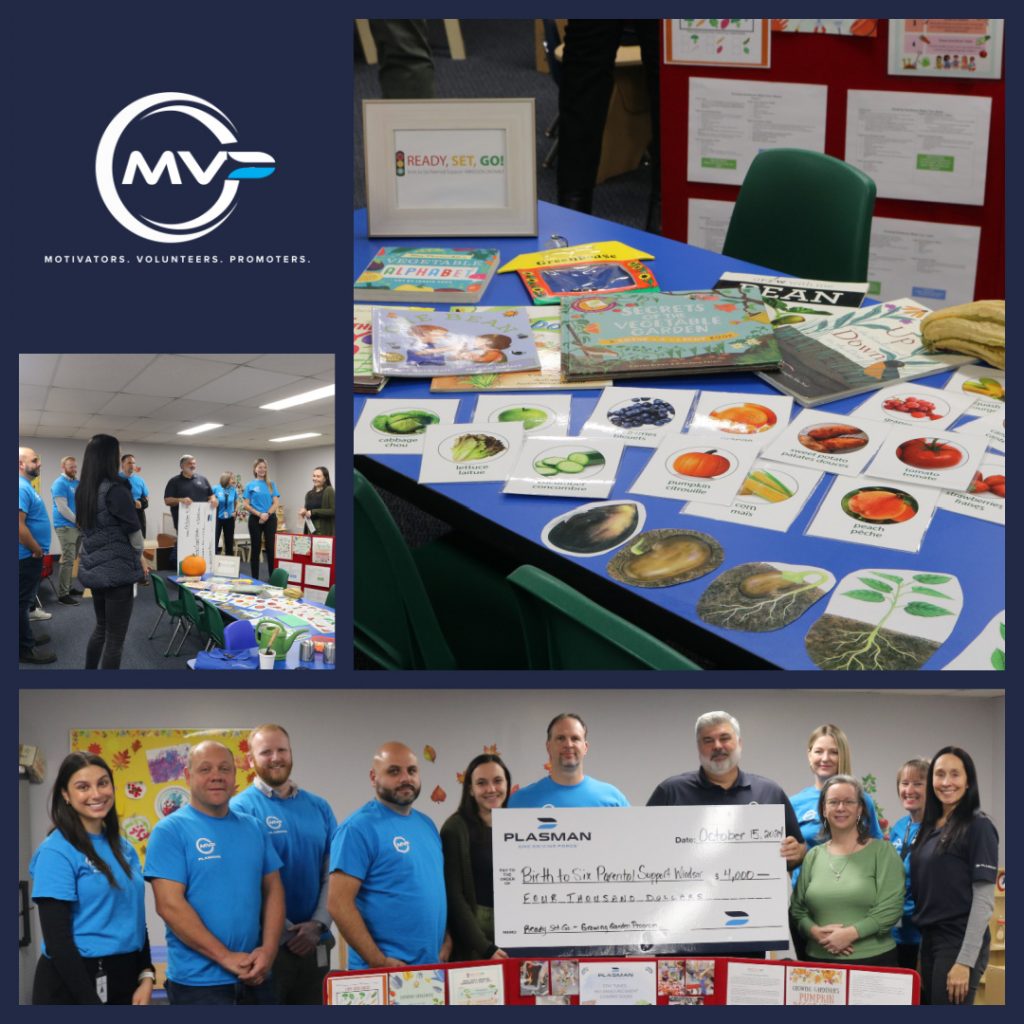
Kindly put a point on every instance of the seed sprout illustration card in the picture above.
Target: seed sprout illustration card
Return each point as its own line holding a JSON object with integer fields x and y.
{"x": 875, "y": 512}
{"x": 934, "y": 458}
{"x": 594, "y": 529}
{"x": 985, "y": 498}
{"x": 566, "y": 467}
{"x": 931, "y": 408}
{"x": 387, "y": 426}
{"x": 416, "y": 988}
{"x": 823, "y": 440}
{"x": 701, "y": 466}
{"x": 639, "y": 416}
{"x": 987, "y": 651}
{"x": 985, "y": 384}
{"x": 771, "y": 497}
{"x": 753, "y": 418}
{"x": 885, "y": 620}
{"x": 992, "y": 427}
{"x": 469, "y": 453}
{"x": 759, "y": 597}
{"x": 358, "y": 990}
{"x": 545, "y": 414}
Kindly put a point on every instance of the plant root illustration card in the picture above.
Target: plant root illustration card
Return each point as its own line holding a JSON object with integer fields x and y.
{"x": 545, "y": 414}
{"x": 992, "y": 427}
{"x": 987, "y": 651}
{"x": 700, "y": 466}
{"x": 639, "y": 416}
{"x": 390, "y": 427}
{"x": 469, "y": 453}
{"x": 885, "y": 620}
{"x": 594, "y": 529}
{"x": 985, "y": 384}
{"x": 823, "y": 440}
{"x": 911, "y": 455}
{"x": 771, "y": 497}
{"x": 567, "y": 467}
{"x": 869, "y": 511}
{"x": 985, "y": 498}
{"x": 904, "y": 404}
{"x": 756, "y": 419}
{"x": 663, "y": 558}
{"x": 759, "y": 597}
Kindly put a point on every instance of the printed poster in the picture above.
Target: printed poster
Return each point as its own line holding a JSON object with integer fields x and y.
{"x": 946, "y": 47}
{"x": 318, "y": 576}
{"x": 815, "y": 986}
{"x": 282, "y": 545}
{"x": 721, "y": 42}
{"x": 323, "y": 550}
{"x": 450, "y": 169}
{"x": 867, "y": 27}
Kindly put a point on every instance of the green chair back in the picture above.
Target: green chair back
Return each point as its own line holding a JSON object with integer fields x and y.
{"x": 279, "y": 578}
{"x": 565, "y": 630}
{"x": 192, "y": 610}
{"x": 394, "y": 622}
{"x": 214, "y": 624}
{"x": 805, "y": 214}
{"x": 173, "y": 608}
{"x": 329, "y": 600}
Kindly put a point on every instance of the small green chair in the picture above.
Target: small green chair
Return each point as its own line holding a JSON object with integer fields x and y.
{"x": 565, "y": 630}
{"x": 279, "y": 577}
{"x": 828, "y": 233}
{"x": 175, "y": 609}
{"x": 193, "y": 616}
{"x": 214, "y": 625}
{"x": 329, "y": 600}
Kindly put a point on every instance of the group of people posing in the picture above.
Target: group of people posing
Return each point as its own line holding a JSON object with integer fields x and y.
{"x": 248, "y": 885}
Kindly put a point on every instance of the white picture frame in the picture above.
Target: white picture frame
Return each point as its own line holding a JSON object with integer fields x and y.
{"x": 429, "y": 170}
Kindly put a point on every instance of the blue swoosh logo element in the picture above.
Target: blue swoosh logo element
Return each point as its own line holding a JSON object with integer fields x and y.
{"x": 252, "y": 172}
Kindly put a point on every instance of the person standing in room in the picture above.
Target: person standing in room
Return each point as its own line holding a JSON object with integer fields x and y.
{"x": 88, "y": 888}
{"x": 260, "y": 500}
{"x": 33, "y": 544}
{"x": 300, "y": 826}
{"x": 183, "y": 489}
{"x": 318, "y": 512}
{"x": 216, "y": 882}
{"x": 404, "y": 60}
{"x": 953, "y": 866}
{"x": 387, "y": 890}
{"x": 566, "y": 785}
{"x": 112, "y": 560}
{"x": 911, "y": 785}
{"x": 140, "y": 492}
{"x": 225, "y": 493}
{"x": 66, "y": 524}
{"x": 469, "y": 862}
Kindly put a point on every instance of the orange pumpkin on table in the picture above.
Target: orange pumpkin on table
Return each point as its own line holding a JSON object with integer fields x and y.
{"x": 702, "y": 464}
{"x": 194, "y": 565}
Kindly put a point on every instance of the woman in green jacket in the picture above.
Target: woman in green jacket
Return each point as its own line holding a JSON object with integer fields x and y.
{"x": 319, "y": 507}
{"x": 468, "y": 864}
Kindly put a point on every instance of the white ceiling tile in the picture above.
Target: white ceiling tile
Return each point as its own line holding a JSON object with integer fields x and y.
{"x": 232, "y": 357}
{"x": 31, "y": 396}
{"x": 27, "y": 421}
{"x": 75, "y": 400}
{"x": 64, "y": 419}
{"x": 135, "y": 405}
{"x": 100, "y": 371}
{"x": 242, "y": 382}
{"x": 175, "y": 376}
{"x": 35, "y": 368}
{"x": 306, "y": 364}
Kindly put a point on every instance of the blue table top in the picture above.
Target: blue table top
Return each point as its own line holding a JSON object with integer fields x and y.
{"x": 968, "y": 548}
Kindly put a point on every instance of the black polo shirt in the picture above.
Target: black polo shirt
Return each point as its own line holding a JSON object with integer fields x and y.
{"x": 197, "y": 488}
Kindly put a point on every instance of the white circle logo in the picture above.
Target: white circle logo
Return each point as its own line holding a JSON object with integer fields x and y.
{"x": 273, "y": 823}
{"x": 401, "y": 844}
{"x": 205, "y": 846}
{"x": 252, "y": 165}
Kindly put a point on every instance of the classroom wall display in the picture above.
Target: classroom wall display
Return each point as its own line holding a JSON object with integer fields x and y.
{"x": 721, "y": 42}
{"x": 946, "y": 47}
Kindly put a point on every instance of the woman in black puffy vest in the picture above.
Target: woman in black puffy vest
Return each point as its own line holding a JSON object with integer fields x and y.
{"x": 111, "y": 557}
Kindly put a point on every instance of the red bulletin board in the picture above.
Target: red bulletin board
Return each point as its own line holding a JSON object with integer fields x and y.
{"x": 305, "y": 560}
{"x": 842, "y": 63}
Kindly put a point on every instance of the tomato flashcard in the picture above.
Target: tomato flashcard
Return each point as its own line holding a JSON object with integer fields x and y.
{"x": 934, "y": 458}
{"x": 904, "y": 404}
{"x": 639, "y": 416}
{"x": 822, "y": 440}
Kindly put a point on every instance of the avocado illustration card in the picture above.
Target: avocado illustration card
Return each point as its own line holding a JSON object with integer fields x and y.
{"x": 389, "y": 426}
{"x": 985, "y": 497}
{"x": 639, "y": 416}
{"x": 936, "y": 458}
{"x": 906, "y": 404}
{"x": 985, "y": 384}
{"x": 756, "y": 419}
{"x": 469, "y": 453}
{"x": 987, "y": 651}
{"x": 842, "y": 444}
{"x": 566, "y": 467}
{"x": 540, "y": 414}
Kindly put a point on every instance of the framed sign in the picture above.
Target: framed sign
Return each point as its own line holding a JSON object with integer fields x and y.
{"x": 450, "y": 167}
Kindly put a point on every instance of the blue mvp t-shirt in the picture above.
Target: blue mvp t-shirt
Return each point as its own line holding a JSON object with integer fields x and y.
{"x": 589, "y": 792}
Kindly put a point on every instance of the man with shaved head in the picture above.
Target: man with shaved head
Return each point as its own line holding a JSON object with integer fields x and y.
{"x": 386, "y": 890}
{"x": 215, "y": 880}
{"x": 33, "y": 544}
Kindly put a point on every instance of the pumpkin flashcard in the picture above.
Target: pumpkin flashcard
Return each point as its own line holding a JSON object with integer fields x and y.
{"x": 664, "y": 558}
{"x": 388, "y": 426}
{"x": 756, "y": 419}
{"x": 909, "y": 403}
{"x": 566, "y": 467}
{"x": 758, "y": 597}
{"x": 700, "y": 466}
{"x": 538, "y": 413}
{"x": 934, "y": 458}
{"x": 771, "y": 497}
{"x": 469, "y": 452}
{"x": 875, "y": 512}
{"x": 842, "y": 444}
{"x": 885, "y": 620}
{"x": 639, "y": 416}
{"x": 987, "y": 651}
{"x": 985, "y": 384}
{"x": 985, "y": 497}
{"x": 992, "y": 427}
{"x": 595, "y": 528}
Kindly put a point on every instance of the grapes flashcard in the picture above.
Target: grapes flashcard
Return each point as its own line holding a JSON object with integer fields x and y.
{"x": 903, "y": 404}
{"x": 639, "y": 416}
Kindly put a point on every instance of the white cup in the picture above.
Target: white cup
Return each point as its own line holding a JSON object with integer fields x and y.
{"x": 267, "y": 660}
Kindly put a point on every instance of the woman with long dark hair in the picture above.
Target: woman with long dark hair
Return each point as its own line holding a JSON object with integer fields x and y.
{"x": 954, "y": 860}
{"x": 319, "y": 507}
{"x": 261, "y": 499}
{"x": 88, "y": 886}
{"x": 111, "y": 560}
{"x": 468, "y": 864}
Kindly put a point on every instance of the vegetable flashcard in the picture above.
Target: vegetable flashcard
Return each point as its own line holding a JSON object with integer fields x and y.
{"x": 756, "y": 419}
{"x": 700, "y": 466}
{"x": 868, "y": 511}
{"x": 388, "y": 426}
{"x": 469, "y": 452}
{"x": 663, "y": 558}
{"x": 759, "y": 597}
{"x": 594, "y": 529}
{"x": 771, "y": 497}
{"x": 639, "y": 416}
{"x": 545, "y": 414}
{"x": 992, "y": 427}
{"x": 987, "y": 651}
{"x": 903, "y": 404}
{"x": 933, "y": 458}
{"x": 822, "y": 440}
{"x": 985, "y": 497}
{"x": 567, "y": 467}
{"x": 885, "y": 620}
{"x": 985, "y": 384}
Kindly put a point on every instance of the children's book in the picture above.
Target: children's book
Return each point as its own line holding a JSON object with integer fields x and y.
{"x": 791, "y": 299}
{"x": 417, "y": 274}
{"x": 429, "y": 343}
{"x": 667, "y": 334}
{"x": 364, "y": 380}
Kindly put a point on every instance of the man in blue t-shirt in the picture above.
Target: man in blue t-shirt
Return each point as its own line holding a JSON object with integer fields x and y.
{"x": 216, "y": 884}
{"x": 65, "y": 522}
{"x": 566, "y": 785}
{"x": 33, "y": 543}
{"x": 300, "y": 826}
{"x": 386, "y": 891}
